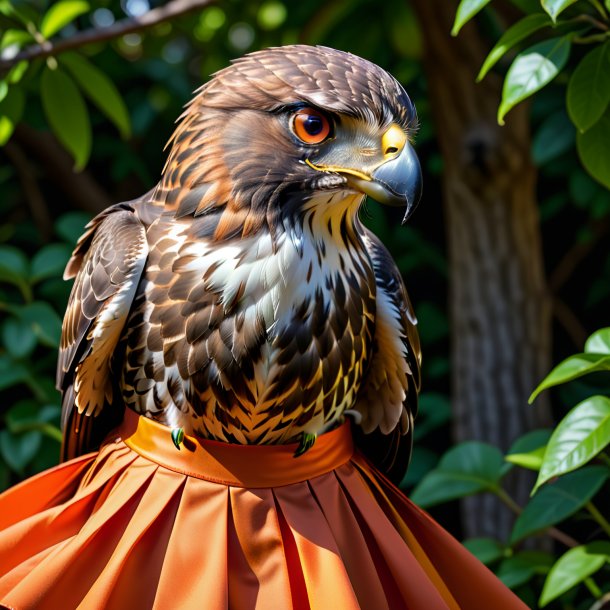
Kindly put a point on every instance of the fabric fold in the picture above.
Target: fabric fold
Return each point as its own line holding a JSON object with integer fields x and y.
{"x": 144, "y": 525}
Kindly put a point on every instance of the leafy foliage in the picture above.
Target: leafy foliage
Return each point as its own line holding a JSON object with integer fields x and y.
{"x": 588, "y": 90}
{"x": 573, "y": 469}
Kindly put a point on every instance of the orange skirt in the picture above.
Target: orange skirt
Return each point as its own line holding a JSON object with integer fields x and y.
{"x": 142, "y": 525}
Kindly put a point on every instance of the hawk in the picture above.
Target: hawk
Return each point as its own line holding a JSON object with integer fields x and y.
{"x": 241, "y": 310}
{"x": 242, "y": 299}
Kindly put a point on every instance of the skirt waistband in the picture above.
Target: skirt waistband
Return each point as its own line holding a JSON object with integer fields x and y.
{"x": 253, "y": 466}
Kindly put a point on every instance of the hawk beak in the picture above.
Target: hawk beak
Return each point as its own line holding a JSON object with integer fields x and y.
{"x": 396, "y": 182}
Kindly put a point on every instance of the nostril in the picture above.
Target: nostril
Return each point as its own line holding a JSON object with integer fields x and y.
{"x": 390, "y": 150}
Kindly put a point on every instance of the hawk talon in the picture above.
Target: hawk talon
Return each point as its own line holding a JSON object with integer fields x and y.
{"x": 306, "y": 443}
{"x": 178, "y": 437}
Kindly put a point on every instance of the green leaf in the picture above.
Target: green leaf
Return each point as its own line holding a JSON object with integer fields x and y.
{"x": 598, "y": 342}
{"x": 464, "y": 470}
{"x": 572, "y": 368}
{"x": 594, "y": 150}
{"x": 555, "y": 7}
{"x": 18, "y": 338}
{"x": 71, "y": 226}
{"x": 16, "y": 72}
{"x": 515, "y": 571}
{"x": 11, "y": 110}
{"x": 50, "y": 261}
{"x": 14, "y": 269}
{"x": 579, "y": 437}
{"x": 60, "y": 15}
{"x": 66, "y": 112}
{"x": 555, "y": 136}
{"x": 434, "y": 412}
{"x": 11, "y": 372}
{"x": 15, "y": 37}
{"x": 45, "y": 322}
{"x": 3, "y": 89}
{"x": 486, "y": 550}
{"x": 18, "y": 451}
{"x": 532, "y": 69}
{"x": 572, "y": 568}
{"x": 515, "y": 34}
{"x": 100, "y": 89}
{"x": 466, "y": 10}
{"x": 557, "y": 501}
{"x": 528, "y": 450}
{"x": 589, "y": 88}
{"x": 422, "y": 462}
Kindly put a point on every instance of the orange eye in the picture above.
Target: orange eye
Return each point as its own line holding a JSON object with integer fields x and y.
{"x": 310, "y": 126}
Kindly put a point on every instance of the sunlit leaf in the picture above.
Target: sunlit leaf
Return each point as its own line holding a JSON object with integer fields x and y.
{"x": 15, "y": 37}
{"x": 579, "y": 437}
{"x": 594, "y": 150}
{"x": 532, "y": 69}
{"x": 464, "y": 470}
{"x": 599, "y": 342}
{"x": 515, "y": 34}
{"x": 16, "y": 72}
{"x": 60, "y": 15}
{"x": 528, "y": 450}
{"x": 100, "y": 89}
{"x": 11, "y": 110}
{"x": 66, "y": 112}
{"x": 572, "y": 368}
{"x": 466, "y": 10}
{"x": 572, "y": 568}
{"x": 555, "y": 7}
{"x": 589, "y": 88}
{"x": 559, "y": 500}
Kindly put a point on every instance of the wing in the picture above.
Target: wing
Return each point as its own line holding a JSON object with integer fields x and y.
{"x": 108, "y": 263}
{"x": 387, "y": 399}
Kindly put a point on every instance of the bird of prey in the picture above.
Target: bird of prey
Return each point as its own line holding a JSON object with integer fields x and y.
{"x": 242, "y": 299}
{"x": 233, "y": 317}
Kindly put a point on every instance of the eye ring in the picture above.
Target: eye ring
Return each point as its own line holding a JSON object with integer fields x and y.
{"x": 310, "y": 125}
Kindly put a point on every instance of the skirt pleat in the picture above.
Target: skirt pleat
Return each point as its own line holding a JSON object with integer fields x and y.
{"x": 195, "y": 529}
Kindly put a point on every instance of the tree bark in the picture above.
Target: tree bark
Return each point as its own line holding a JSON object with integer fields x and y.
{"x": 500, "y": 312}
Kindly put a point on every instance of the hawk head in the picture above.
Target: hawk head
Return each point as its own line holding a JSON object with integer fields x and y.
{"x": 290, "y": 129}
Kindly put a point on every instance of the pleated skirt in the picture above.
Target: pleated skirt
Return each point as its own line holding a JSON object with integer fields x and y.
{"x": 212, "y": 526}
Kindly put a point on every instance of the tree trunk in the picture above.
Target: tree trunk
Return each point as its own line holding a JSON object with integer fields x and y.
{"x": 500, "y": 313}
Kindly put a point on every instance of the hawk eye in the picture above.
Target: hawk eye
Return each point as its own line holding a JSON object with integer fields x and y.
{"x": 310, "y": 126}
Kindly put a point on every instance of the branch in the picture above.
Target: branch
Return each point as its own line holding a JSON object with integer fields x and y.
{"x": 119, "y": 28}
{"x": 571, "y": 324}
{"x": 80, "y": 187}
{"x": 576, "y": 254}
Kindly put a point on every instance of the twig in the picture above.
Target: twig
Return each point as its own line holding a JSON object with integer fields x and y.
{"x": 125, "y": 26}
{"x": 553, "y": 532}
{"x": 600, "y": 25}
{"x": 576, "y": 254}
{"x": 80, "y": 187}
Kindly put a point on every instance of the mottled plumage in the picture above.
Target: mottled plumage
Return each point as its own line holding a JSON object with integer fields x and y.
{"x": 242, "y": 299}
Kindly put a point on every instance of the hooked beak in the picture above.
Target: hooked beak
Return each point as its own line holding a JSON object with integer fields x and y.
{"x": 397, "y": 182}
